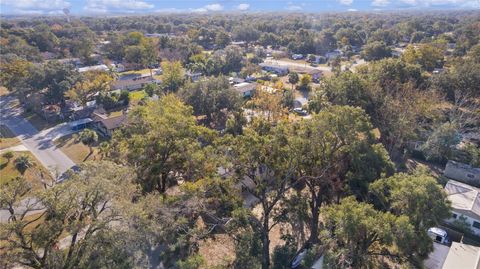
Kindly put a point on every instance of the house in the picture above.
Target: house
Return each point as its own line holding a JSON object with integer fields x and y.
{"x": 316, "y": 59}
{"x": 73, "y": 61}
{"x": 465, "y": 203}
{"x": 48, "y": 55}
{"x": 235, "y": 81}
{"x": 193, "y": 76}
{"x": 81, "y": 112}
{"x": 134, "y": 83}
{"x": 458, "y": 255}
{"x": 462, "y": 256}
{"x": 277, "y": 69}
{"x": 100, "y": 67}
{"x": 276, "y": 53}
{"x": 316, "y": 74}
{"x": 80, "y": 124}
{"x": 333, "y": 54}
{"x": 239, "y": 43}
{"x": 462, "y": 172}
{"x": 246, "y": 89}
{"x": 106, "y": 122}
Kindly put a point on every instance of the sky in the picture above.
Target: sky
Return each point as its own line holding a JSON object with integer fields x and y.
{"x": 103, "y": 7}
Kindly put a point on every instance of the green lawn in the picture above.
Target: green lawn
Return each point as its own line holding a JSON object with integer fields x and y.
{"x": 7, "y": 138}
{"x": 76, "y": 150}
{"x": 8, "y": 171}
{"x": 38, "y": 122}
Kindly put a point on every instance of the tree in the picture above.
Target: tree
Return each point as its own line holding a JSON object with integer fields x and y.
{"x": 426, "y": 55}
{"x": 263, "y": 166}
{"x": 173, "y": 76}
{"x": 22, "y": 163}
{"x": 213, "y": 97}
{"x": 84, "y": 207}
{"x": 164, "y": 144}
{"x": 375, "y": 51}
{"x": 56, "y": 77}
{"x": 245, "y": 33}
{"x": 268, "y": 106}
{"x": 417, "y": 196}
{"x": 293, "y": 78}
{"x": 324, "y": 143}
{"x": 222, "y": 39}
{"x": 362, "y": 235}
{"x": 14, "y": 74}
{"x": 305, "y": 81}
{"x": 474, "y": 53}
{"x": 288, "y": 99}
{"x": 8, "y": 155}
{"x": 346, "y": 89}
{"x": 93, "y": 83}
{"x": 88, "y": 137}
{"x": 439, "y": 145}
{"x": 233, "y": 59}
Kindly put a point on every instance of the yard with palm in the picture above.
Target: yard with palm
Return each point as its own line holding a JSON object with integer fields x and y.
{"x": 11, "y": 168}
{"x": 78, "y": 151}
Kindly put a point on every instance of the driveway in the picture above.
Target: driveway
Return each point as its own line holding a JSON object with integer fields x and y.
{"x": 39, "y": 143}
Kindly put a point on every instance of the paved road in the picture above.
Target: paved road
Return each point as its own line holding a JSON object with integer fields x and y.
{"x": 289, "y": 63}
{"x": 39, "y": 143}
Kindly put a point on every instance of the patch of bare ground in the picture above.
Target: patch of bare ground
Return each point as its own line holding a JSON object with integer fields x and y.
{"x": 218, "y": 251}
{"x": 435, "y": 170}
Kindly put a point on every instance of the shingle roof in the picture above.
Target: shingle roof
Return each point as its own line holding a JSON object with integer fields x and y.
{"x": 464, "y": 198}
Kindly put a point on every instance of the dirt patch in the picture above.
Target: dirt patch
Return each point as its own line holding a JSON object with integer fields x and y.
{"x": 218, "y": 251}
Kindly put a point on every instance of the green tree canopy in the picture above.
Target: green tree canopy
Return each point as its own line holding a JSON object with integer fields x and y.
{"x": 164, "y": 144}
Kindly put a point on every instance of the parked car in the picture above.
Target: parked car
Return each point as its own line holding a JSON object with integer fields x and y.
{"x": 438, "y": 235}
{"x": 300, "y": 111}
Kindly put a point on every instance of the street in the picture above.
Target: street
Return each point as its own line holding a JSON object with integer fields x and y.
{"x": 39, "y": 143}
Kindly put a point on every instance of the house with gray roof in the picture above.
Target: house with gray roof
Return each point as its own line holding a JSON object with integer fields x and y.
{"x": 465, "y": 203}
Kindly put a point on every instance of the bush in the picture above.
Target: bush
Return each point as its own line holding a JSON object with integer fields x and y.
{"x": 8, "y": 155}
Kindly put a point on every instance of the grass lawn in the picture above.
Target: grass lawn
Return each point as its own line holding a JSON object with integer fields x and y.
{"x": 38, "y": 122}
{"x": 141, "y": 72}
{"x": 76, "y": 150}
{"x": 8, "y": 171}
{"x": 7, "y": 138}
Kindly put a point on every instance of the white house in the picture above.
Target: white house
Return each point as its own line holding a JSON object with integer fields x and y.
{"x": 465, "y": 202}
{"x": 193, "y": 76}
{"x": 100, "y": 67}
{"x": 246, "y": 89}
{"x": 333, "y": 54}
{"x": 277, "y": 69}
{"x": 458, "y": 256}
